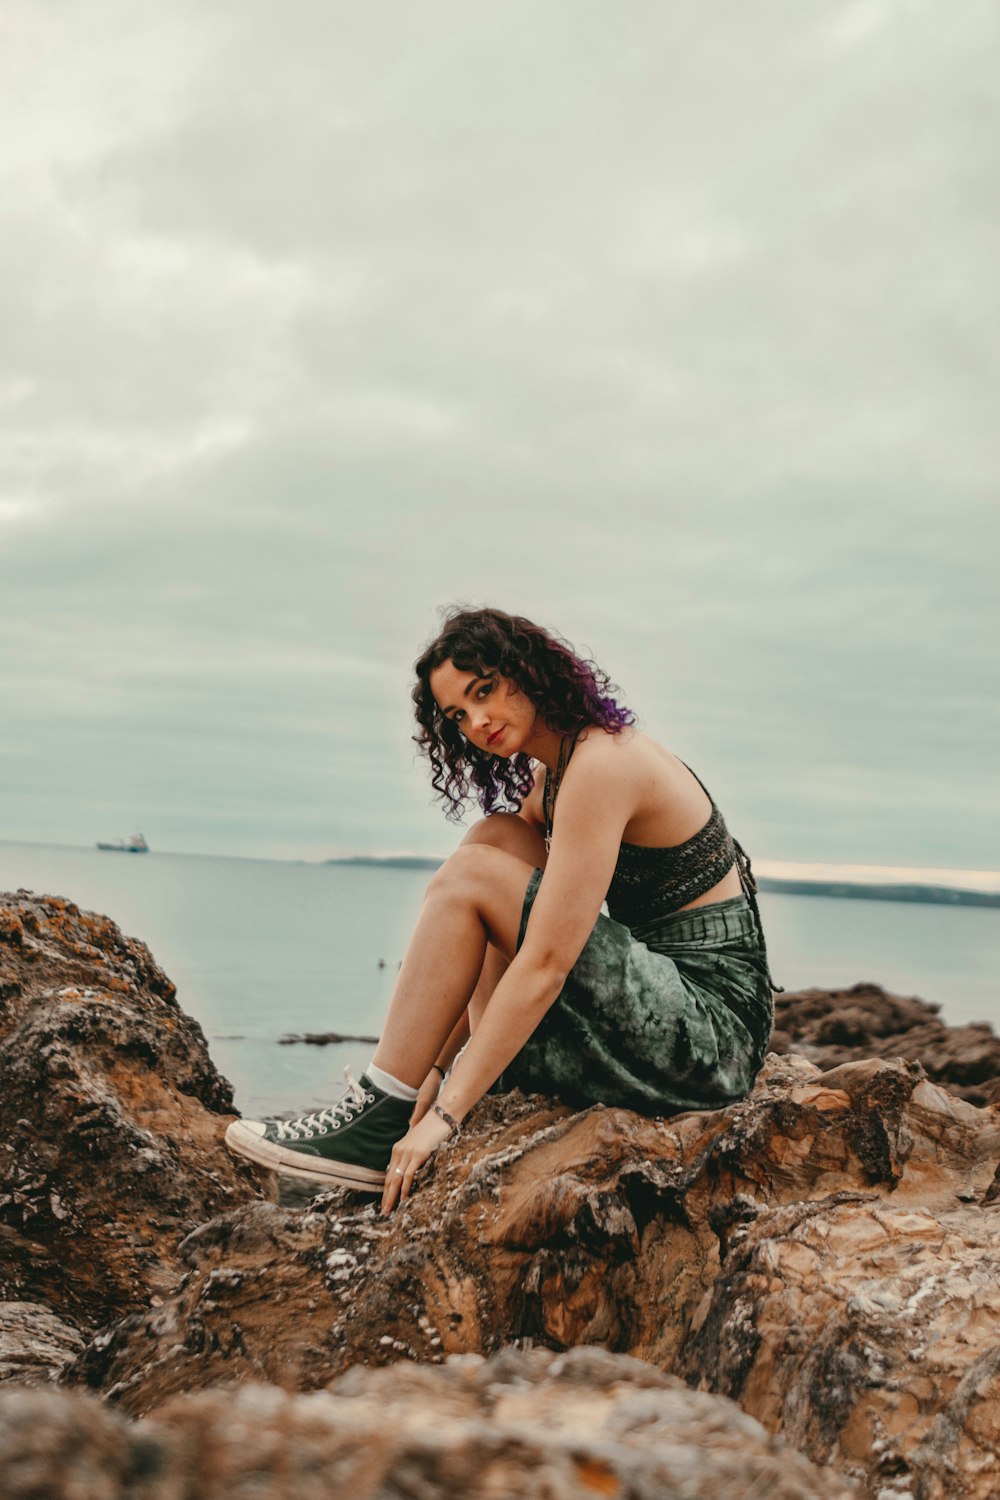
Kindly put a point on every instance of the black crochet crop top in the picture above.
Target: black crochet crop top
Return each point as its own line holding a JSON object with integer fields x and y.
{"x": 652, "y": 882}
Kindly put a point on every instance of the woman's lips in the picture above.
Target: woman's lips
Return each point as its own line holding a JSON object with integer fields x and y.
{"x": 496, "y": 734}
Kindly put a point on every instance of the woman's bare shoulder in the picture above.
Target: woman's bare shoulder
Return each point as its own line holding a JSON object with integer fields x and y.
{"x": 625, "y": 749}
{"x": 667, "y": 802}
{"x": 628, "y": 758}
{"x": 656, "y": 775}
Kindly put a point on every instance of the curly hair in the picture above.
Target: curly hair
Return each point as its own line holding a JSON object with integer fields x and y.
{"x": 570, "y": 692}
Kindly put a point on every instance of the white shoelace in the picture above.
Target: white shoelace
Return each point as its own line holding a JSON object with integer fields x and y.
{"x": 341, "y": 1113}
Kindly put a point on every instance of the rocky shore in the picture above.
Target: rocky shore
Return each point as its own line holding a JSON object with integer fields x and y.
{"x": 795, "y": 1296}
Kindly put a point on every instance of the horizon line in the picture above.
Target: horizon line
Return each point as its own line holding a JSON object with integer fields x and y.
{"x": 819, "y": 870}
{"x": 963, "y": 878}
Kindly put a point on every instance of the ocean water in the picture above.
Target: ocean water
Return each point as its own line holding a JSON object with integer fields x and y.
{"x": 262, "y": 948}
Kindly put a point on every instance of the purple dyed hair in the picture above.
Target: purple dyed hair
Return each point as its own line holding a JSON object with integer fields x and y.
{"x": 570, "y": 692}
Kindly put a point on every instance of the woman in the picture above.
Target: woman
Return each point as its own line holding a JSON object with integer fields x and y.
{"x": 512, "y": 972}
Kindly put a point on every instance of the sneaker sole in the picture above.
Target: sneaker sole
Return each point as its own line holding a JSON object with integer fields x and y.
{"x": 244, "y": 1141}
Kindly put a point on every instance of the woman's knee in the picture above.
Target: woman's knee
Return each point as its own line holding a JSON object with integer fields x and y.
{"x": 510, "y": 832}
{"x": 489, "y": 881}
{"x": 465, "y": 871}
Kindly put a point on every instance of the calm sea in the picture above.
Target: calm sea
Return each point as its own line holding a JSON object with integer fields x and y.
{"x": 260, "y": 948}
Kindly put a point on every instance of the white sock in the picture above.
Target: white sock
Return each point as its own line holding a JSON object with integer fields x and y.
{"x": 389, "y": 1085}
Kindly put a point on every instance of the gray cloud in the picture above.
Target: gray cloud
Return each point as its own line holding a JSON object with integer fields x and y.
{"x": 675, "y": 329}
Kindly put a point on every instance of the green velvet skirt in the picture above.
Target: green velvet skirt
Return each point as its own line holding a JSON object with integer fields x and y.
{"x": 669, "y": 1016}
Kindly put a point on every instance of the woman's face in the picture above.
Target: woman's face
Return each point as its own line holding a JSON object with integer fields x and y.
{"x": 489, "y": 709}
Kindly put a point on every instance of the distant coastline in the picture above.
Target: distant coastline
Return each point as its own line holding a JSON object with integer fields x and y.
{"x": 931, "y": 895}
{"x": 390, "y": 861}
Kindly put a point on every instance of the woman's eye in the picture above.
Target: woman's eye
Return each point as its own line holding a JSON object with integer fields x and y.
{"x": 485, "y": 690}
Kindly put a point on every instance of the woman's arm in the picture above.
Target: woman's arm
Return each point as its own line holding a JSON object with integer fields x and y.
{"x": 595, "y": 803}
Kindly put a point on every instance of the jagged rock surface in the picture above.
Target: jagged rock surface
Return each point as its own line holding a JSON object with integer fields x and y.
{"x": 786, "y": 1250}
{"x": 35, "y": 1345}
{"x": 820, "y": 1251}
{"x": 110, "y": 1115}
{"x": 866, "y": 1325}
{"x": 535, "y": 1425}
{"x": 831, "y": 1027}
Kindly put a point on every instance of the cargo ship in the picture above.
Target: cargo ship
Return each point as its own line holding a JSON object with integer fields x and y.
{"x": 135, "y": 845}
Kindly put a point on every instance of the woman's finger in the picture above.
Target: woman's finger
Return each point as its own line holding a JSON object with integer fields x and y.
{"x": 394, "y": 1173}
{"x": 406, "y": 1181}
{"x": 393, "y": 1180}
{"x": 399, "y": 1178}
{"x": 408, "y": 1155}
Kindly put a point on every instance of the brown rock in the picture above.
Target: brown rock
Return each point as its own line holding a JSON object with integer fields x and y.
{"x": 819, "y": 1251}
{"x": 533, "y": 1425}
{"x": 831, "y": 1027}
{"x": 35, "y": 1345}
{"x": 110, "y": 1115}
{"x": 786, "y": 1251}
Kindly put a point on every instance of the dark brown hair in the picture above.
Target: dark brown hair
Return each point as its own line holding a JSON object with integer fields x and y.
{"x": 570, "y": 692}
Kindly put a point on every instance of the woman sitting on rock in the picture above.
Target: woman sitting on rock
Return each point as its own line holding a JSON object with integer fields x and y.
{"x": 512, "y": 972}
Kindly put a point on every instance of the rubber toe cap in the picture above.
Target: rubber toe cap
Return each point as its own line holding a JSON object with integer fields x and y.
{"x": 241, "y": 1130}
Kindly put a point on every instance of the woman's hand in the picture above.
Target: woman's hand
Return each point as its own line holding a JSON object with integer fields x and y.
{"x": 410, "y": 1153}
{"x": 429, "y": 1090}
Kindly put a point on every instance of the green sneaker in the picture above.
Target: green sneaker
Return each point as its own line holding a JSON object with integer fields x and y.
{"x": 347, "y": 1145}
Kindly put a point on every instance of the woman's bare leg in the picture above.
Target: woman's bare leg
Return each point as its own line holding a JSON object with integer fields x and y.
{"x": 490, "y": 975}
{"x": 502, "y": 831}
{"x": 474, "y": 902}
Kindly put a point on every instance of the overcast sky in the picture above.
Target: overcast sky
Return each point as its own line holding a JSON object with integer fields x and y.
{"x": 671, "y": 325}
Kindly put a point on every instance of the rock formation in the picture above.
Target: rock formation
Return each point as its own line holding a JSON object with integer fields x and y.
{"x": 821, "y": 1252}
{"x": 110, "y": 1115}
{"x": 534, "y": 1425}
{"x": 831, "y": 1027}
{"x": 35, "y": 1345}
